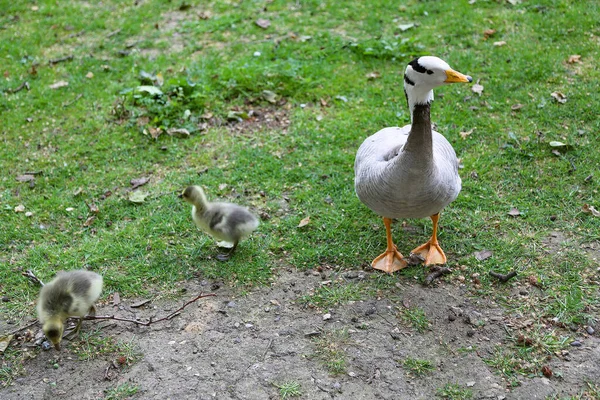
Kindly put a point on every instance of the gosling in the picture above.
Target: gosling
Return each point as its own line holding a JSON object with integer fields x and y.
{"x": 223, "y": 221}
{"x": 69, "y": 294}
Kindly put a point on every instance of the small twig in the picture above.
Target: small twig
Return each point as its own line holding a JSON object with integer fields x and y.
{"x": 113, "y": 33}
{"x": 31, "y": 276}
{"x": 24, "y": 85}
{"x": 72, "y": 35}
{"x": 437, "y": 272}
{"x": 30, "y": 324}
{"x": 150, "y": 321}
{"x": 266, "y": 350}
{"x": 61, "y": 59}
{"x": 67, "y": 104}
{"x": 502, "y": 277}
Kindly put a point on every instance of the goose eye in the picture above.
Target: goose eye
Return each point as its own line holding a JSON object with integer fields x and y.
{"x": 429, "y": 72}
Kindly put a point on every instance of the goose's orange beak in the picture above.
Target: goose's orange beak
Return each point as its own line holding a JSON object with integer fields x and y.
{"x": 453, "y": 76}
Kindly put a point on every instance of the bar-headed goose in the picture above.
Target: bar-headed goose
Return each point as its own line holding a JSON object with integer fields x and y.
{"x": 411, "y": 172}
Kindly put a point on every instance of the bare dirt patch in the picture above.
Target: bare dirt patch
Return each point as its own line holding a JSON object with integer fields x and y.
{"x": 242, "y": 345}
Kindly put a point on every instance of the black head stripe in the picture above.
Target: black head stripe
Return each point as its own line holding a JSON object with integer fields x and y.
{"x": 418, "y": 67}
{"x": 408, "y": 81}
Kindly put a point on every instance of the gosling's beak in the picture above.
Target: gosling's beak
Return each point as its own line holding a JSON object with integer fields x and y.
{"x": 453, "y": 76}
{"x": 180, "y": 195}
{"x": 57, "y": 346}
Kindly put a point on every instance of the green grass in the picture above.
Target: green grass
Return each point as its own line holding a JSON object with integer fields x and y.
{"x": 330, "y": 350}
{"x": 417, "y": 366}
{"x": 416, "y": 318}
{"x": 289, "y": 389}
{"x": 89, "y": 139}
{"x": 122, "y": 391}
{"x": 453, "y": 391}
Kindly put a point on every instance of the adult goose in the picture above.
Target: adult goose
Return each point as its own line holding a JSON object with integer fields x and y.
{"x": 411, "y": 172}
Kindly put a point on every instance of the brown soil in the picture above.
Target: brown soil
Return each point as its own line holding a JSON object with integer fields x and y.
{"x": 236, "y": 346}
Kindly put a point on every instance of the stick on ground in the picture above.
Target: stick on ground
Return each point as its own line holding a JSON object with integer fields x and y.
{"x": 437, "y": 272}
{"x": 502, "y": 277}
{"x": 150, "y": 321}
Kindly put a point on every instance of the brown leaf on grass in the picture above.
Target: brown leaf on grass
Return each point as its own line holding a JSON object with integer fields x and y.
{"x": 373, "y": 75}
{"x": 487, "y": 33}
{"x": 323, "y": 102}
{"x": 25, "y": 178}
{"x": 516, "y": 107}
{"x": 466, "y": 134}
{"x": 116, "y": 299}
{"x": 19, "y": 208}
{"x": 574, "y": 59}
{"x": 154, "y": 132}
{"x": 304, "y": 222}
{"x": 89, "y": 221}
{"x": 483, "y": 254}
{"x": 547, "y": 371}
{"x": 477, "y": 88}
{"x": 204, "y": 14}
{"x": 263, "y": 23}
{"x": 500, "y": 43}
{"x": 136, "y": 183}
{"x": 514, "y": 212}
{"x": 178, "y": 132}
{"x": 59, "y": 84}
{"x": 4, "y": 342}
{"x": 89, "y": 75}
{"x": 560, "y": 97}
{"x": 533, "y": 280}
{"x": 590, "y": 210}
{"x": 93, "y": 208}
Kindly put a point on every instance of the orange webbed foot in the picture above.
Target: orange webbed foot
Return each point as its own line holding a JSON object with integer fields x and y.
{"x": 431, "y": 252}
{"x": 390, "y": 261}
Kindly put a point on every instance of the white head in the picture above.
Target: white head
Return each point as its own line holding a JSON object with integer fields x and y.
{"x": 423, "y": 74}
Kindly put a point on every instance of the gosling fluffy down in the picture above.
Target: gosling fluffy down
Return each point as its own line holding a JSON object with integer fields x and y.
{"x": 223, "y": 221}
{"x": 69, "y": 294}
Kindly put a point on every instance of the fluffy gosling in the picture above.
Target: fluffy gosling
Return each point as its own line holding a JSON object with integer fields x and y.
{"x": 223, "y": 221}
{"x": 69, "y": 294}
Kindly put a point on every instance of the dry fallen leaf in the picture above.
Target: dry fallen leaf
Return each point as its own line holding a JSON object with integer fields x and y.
{"x": 136, "y": 183}
{"x": 25, "y": 178}
{"x": 89, "y": 221}
{"x": 500, "y": 43}
{"x": 137, "y": 197}
{"x": 560, "y": 97}
{"x": 89, "y": 75}
{"x": 516, "y": 107}
{"x": 154, "y": 132}
{"x": 269, "y": 96}
{"x": 477, "y": 88}
{"x": 304, "y": 222}
{"x": 574, "y": 59}
{"x": 59, "y": 84}
{"x": 373, "y": 75}
{"x": 19, "y": 208}
{"x": 405, "y": 27}
{"x": 487, "y": 33}
{"x": 464, "y": 135}
{"x": 263, "y": 23}
{"x": 116, "y": 298}
{"x": 514, "y": 212}
{"x": 590, "y": 210}
{"x": 4, "y": 342}
{"x": 483, "y": 254}
{"x": 178, "y": 132}
{"x": 205, "y": 14}
{"x": 222, "y": 186}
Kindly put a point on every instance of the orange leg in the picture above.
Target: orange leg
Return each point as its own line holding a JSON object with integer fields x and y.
{"x": 391, "y": 260}
{"x": 431, "y": 251}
